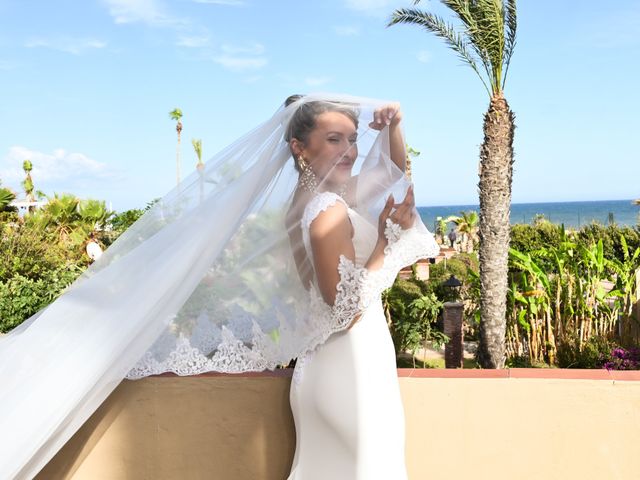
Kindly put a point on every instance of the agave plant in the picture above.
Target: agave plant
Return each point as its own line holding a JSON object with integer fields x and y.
{"x": 486, "y": 43}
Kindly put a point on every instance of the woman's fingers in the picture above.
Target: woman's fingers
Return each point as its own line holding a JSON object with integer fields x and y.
{"x": 409, "y": 199}
{"x": 404, "y": 213}
{"x": 385, "y": 116}
{"x": 387, "y": 207}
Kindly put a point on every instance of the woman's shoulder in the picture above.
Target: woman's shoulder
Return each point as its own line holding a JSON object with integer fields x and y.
{"x": 323, "y": 202}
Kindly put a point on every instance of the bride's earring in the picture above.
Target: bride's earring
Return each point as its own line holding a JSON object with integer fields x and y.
{"x": 307, "y": 178}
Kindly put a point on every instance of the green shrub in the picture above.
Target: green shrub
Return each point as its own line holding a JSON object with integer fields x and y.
{"x": 528, "y": 238}
{"x": 592, "y": 354}
{"x": 21, "y": 297}
{"x": 413, "y": 312}
{"x": 31, "y": 253}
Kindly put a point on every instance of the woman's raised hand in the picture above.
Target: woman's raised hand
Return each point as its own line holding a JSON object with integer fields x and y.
{"x": 404, "y": 213}
{"x": 387, "y": 115}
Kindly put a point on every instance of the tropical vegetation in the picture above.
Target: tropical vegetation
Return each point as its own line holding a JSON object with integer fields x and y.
{"x": 43, "y": 251}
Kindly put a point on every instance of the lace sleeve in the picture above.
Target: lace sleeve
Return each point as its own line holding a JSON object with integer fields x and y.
{"x": 359, "y": 287}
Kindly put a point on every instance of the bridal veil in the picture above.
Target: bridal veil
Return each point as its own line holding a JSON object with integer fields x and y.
{"x": 204, "y": 281}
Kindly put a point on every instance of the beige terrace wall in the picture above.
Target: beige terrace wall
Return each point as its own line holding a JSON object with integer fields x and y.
{"x": 470, "y": 427}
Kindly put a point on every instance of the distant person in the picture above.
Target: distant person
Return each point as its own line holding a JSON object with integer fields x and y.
{"x": 452, "y": 237}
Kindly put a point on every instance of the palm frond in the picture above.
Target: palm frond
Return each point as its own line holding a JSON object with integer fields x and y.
{"x": 511, "y": 22}
{"x": 440, "y": 28}
{"x": 197, "y": 146}
{"x": 488, "y": 36}
{"x": 472, "y": 15}
{"x": 175, "y": 114}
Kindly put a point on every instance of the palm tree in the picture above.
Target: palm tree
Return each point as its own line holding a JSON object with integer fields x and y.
{"x": 486, "y": 43}
{"x": 27, "y": 183}
{"x": 176, "y": 114}
{"x": 467, "y": 227}
{"x": 197, "y": 146}
{"x": 411, "y": 153}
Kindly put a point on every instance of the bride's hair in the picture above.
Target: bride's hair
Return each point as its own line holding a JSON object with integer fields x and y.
{"x": 303, "y": 120}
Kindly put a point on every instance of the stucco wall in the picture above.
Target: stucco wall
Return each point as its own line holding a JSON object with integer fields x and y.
{"x": 460, "y": 424}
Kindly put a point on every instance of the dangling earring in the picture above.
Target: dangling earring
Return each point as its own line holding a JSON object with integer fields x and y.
{"x": 307, "y": 178}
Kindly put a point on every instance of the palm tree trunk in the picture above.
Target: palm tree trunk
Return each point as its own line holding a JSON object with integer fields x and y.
{"x": 496, "y": 172}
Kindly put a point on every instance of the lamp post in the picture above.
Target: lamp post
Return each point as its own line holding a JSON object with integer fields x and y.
{"x": 453, "y": 316}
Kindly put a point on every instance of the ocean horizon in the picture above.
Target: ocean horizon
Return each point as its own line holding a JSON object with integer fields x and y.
{"x": 571, "y": 214}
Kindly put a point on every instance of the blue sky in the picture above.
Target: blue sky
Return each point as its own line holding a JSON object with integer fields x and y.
{"x": 87, "y": 87}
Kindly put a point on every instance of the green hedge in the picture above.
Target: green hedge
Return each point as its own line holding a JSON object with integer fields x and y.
{"x": 21, "y": 297}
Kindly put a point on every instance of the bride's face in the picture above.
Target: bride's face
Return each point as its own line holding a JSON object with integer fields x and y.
{"x": 331, "y": 148}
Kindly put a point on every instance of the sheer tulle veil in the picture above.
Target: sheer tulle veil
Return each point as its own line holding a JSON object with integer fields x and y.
{"x": 204, "y": 281}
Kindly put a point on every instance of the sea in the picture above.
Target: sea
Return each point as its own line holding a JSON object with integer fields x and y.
{"x": 571, "y": 214}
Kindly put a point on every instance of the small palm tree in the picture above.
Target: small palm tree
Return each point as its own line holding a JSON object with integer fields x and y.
{"x": 411, "y": 154}
{"x": 467, "y": 227}
{"x": 197, "y": 146}
{"x": 486, "y": 43}
{"x": 176, "y": 114}
{"x": 27, "y": 183}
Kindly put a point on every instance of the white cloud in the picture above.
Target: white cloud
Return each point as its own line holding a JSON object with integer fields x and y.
{"x": 423, "y": 56}
{"x": 150, "y": 12}
{"x": 346, "y": 30}
{"x": 75, "y": 46}
{"x": 193, "y": 42}
{"x": 240, "y": 64}
{"x": 240, "y": 58}
{"x": 231, "y": 3}
{"x": 317, "y": 81}
{"x": 58, "y": 171}
{"x": 250, "y": 49}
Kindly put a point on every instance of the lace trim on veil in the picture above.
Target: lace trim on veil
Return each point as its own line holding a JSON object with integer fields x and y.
{"x": 357, "y": 289}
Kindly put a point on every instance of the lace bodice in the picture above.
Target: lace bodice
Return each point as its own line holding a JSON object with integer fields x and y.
{"x": 358, "y": 286}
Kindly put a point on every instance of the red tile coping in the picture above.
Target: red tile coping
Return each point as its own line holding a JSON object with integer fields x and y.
{"x": 546, "y": 373}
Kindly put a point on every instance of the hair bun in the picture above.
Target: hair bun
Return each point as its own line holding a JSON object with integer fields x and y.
{"x": 292, "y": 98}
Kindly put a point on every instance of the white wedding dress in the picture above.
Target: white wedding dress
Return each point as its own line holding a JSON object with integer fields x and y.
{"x": 345, "y": 395}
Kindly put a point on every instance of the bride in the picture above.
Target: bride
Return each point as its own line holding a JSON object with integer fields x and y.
{"x": 344, "y": 395}
{"x": 250, "y": 262}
